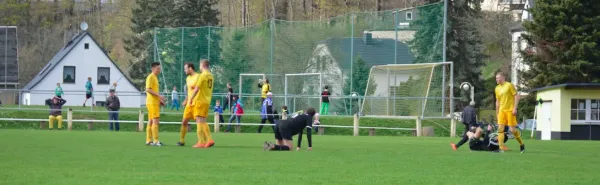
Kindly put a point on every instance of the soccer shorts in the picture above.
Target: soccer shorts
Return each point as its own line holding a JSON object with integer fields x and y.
{"x": 153, "y": 111}
{"x": 88, "y": 96}
{"x": 201, "y": 110}
{"x": 282, "y": 132}
{"x": 188, "y": 112}
{"x": 507, "y": 118}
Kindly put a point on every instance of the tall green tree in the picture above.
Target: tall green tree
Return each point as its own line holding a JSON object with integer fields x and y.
{"x": 565, "y": 45}
{"x": 236, "y": 60}
{"x": 359, "y": 80}
{"x": 464, "y": 44}
{"x": 146, "y": 15}
{"x": 428, "y": 42}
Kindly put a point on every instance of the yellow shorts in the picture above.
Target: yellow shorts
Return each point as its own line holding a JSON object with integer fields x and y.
{"x": 201, "y": 110}
{"x": 153, "y": 111}
{"x": 507, "y": 118}
{"x": 188, "y": 112}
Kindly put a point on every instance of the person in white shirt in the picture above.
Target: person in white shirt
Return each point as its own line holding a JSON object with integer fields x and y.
{"x": 175, "y": 99}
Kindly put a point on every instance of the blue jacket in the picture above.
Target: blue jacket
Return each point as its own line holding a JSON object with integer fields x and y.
{"x": 267, "y": 108}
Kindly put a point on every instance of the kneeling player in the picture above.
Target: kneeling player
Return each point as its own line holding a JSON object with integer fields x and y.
{"x": 285, "y": 129}
{"x": 489, "y": 142}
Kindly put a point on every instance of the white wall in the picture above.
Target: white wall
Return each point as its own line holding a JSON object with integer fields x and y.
{"x": 86, "y": 64}
{"x": 518, "y": 44}
{"x": 321, "y": 62}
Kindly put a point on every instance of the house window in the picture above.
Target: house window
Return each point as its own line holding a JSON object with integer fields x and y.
{"x": 595, "y": 112}
{"x": 68, "y": 74}
{"x": 409, "y": 16}
{"x": 103, "y": 75}
{"x": 86, "y": 46}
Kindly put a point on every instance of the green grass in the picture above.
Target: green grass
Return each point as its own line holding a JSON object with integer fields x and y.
{"x": 441, "y": 126}
{"x": 81, "y": 157}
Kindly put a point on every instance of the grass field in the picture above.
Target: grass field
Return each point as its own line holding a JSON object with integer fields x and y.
{"x": 78, "y": 157}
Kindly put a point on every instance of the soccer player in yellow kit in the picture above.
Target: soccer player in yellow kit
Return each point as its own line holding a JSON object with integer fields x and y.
{"x": 153, "y": 102}
{"x": 507, "y": 100}
{"x": 188, "y": 112}
{"x": 201, "y": 100}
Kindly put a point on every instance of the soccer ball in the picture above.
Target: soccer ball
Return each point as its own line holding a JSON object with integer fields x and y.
{"x": 466, "y": 87}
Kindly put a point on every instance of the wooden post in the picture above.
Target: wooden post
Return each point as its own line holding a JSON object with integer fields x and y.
{"x": 189, "y": 127}
{"x": 453, "y": 127}
{"x": 321, "y": 130}
{"x": 238, "y": 128}
{"x": 217, "y": 125}
{"x": 419, "y": 127}
{"x": 141, "y": 121}
{"x": 42, "y": 124}
{"x": 70, "y": 119}
{"x": 356, "y": 122}
{"x": 283, "y": 116}
{"x": 90, "y": 125}
{"x": 371, "y": 132}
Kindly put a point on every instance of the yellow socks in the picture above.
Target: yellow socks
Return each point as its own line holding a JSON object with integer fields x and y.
{"x": 517, "y": 135}
{"x": 148, "y": 133}
{"x": 201, "y": 136}
{"x": 182, "y": 132}
{"x": 207, "y": 134}
{"x": 501, "y": 137}
{"x": 155, "y": 132}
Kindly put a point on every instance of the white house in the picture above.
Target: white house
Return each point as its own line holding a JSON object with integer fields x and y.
{"x": 519, "y": 44}
{"x": 515, "y": 7}
{"x": 81, "y": 58}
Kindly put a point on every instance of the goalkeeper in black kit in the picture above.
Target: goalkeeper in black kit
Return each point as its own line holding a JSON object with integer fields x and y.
{"x": 285, "y": 129}
{"x": 483, "y": 138}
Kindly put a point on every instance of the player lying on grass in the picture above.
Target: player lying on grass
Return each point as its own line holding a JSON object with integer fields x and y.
{"x": 480, "y": 140}
{"x": 285, "y": 129}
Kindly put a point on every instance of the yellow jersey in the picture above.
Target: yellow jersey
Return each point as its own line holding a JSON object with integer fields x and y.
{"x": 505, "y": 94}
{"x": 190, "y": 83}
{"x": 265, "y": 89}
{"x": 152, "y": 83}
{"x": 205, "y": 83}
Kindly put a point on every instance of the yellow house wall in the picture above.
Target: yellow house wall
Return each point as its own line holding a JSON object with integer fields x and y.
{"x": 567, "y": 95}
{"x": 556, "y": 119}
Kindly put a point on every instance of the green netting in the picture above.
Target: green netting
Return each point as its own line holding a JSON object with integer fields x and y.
{"x": 334, "y": 47}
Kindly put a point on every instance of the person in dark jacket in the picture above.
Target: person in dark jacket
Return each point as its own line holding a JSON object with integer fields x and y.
{"x": 113, "y": 105}
{"x": 55, "y": 105}
{"x": 469, "y": 120}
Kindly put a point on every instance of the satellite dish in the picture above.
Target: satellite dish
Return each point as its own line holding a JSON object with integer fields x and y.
{"x": 83, "y": 26}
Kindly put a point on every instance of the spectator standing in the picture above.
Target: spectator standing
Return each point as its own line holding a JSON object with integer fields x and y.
{"x": 174, "y": 99}
{"x": 325, "y": 101}
{"x": 113, "y": 105}
{"x": 266, "y": 112}
{"x": 58, "y": 92}
{"x": 55, "y": 105}
{"x": 237, "y": 112}
{"x": 88, "y": 91}
{"x": 219, "y": 109}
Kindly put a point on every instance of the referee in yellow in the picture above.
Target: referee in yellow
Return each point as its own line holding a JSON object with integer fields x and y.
{"x": 507, "y": 100}
{"x": 153, "y": 102}
{"x": 201, "y": 101}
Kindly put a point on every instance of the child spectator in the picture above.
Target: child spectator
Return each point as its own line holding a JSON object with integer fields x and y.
{"x": 325, "y": 101}
{"x": 316, "y": 122}
{"x": 237, "y": 112}
{"x": 174, "y": 99}
{"x": 55, "y": 105}
{"x": 219, "y": 109}
{"x": 58, "y": 91}
{"x": 284, "y": 112}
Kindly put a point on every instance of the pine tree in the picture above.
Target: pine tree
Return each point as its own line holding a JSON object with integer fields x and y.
{"x": 146, "y": 15}
{"x": 360, "y": 79}
{"x": 464, "y": 44}
{"x": 236, "y": 59}
{"x": 565, "y": 40}
{"x": 427, "y": 43}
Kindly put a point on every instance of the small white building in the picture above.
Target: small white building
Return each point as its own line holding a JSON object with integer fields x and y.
{"x": 81, "y": 58}
{"x": 519, "y": 44}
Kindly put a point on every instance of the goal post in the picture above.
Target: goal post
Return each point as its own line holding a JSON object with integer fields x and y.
{"x": 423, "y": 90}
{"x": 303, "y": 86}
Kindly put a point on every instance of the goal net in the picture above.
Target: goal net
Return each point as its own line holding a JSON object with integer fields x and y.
{"x": 250, "y": 93}
{"x": 409, "y": 90}
{"x": 303, "y": 90}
